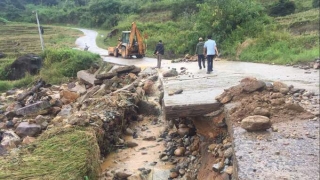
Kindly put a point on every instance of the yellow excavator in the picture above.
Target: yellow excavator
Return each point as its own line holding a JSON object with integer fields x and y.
{"x": 130, "y": 44}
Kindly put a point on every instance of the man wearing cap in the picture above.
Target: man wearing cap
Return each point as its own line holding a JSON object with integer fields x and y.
{"x": 199, "y": 52}
{"x": 210, "y": 51}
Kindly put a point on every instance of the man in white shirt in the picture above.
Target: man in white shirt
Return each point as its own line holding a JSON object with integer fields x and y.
{"x": 210, "y": 50}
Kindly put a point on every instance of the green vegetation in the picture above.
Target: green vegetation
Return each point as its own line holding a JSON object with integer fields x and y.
{"x": 23, "y": 38}
{"x": 61, "y": 64}
{"x": 58, "y": 154}
{"x": 180, "y": 23}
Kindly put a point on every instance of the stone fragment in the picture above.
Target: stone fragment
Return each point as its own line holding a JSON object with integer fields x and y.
{"x": 183, "y": 131}
{"x": 34, "y": 109}
{"x": 148, "y": 108}
{"x": 179, "y": 151}
{"x": 10, "y": 139}
{"x": 229, "y": 170}
{"x": 136, "y": 70}
{"x": 261, "y": 111}
{"x": 174, "y": 174}
{"x": 217, "y": 167}
{"x": 256, "y": 123}
{"x": 129, "y": 132}
{"x": 149, "y": 138}
{"x": 228, "y": 153}
{"x": 65, "y": 111}
{"x": 179, "y": 91}
{"x": 131, "y": 144}
{"x": 182, "y": 171}
{"x": 86, "y": 77}
{"x": 124, "y": 69}
{"x": 276, "y": 102}
{"x": 211, "y": 147}
{"x": 68, "y": 96}
{"x": 294, "y": 107}
{"x": 164, "y": 158}
{"x": 9, "y": 124}
{"x": 122, "y": 175}
{"x": 277, "y": 95}
{"x": 170, "y": 73}
{"x": 25, "y": 129}
{"x": 108, "y": 75}
{"x": 148, "y": 87}
{"x": 284, "y": 90}
{"x": 80, "y": 118}
{"x": 79, "y": 88}
{"x": 28, "y": 140}
{"x": 278, "y": 85}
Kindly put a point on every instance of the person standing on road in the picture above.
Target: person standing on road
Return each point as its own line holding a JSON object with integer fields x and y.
{"x": 199, "y": 52}
{"x": 210, "y": 51}
{"x": 159, "y": 52}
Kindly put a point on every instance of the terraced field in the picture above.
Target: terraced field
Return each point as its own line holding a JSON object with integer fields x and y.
{"x": 21, "y": 38}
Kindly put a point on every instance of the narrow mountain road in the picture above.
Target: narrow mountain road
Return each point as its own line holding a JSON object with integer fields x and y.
{"x": 226, "y": 73}
{"x": 200, "y": 88}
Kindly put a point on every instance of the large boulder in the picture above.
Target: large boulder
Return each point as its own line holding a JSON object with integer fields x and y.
{"x": 256, "y": 123}
{"x": 25, "y": 129}
{"x": 29, "y": 63}
{"x": 251, "y": 84}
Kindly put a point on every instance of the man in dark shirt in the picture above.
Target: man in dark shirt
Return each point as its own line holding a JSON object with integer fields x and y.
{"x": 199, "y": 52}
{"x": 159, "y": 52}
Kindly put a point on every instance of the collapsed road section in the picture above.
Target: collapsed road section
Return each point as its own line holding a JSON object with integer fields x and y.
{"x": 253, "y": 130}
{"x": 124, "y": 122}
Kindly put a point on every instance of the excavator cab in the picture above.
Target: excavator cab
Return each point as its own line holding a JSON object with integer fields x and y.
{"x": 125, "y": 37}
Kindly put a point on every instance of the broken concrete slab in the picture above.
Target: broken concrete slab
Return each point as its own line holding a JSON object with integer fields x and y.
{"x": 197, "y": 98}
{"x": 124, "y": 69}
{"x": 88, "y": 78}
{"x": 108, "y": 75}
{"x": 34, "y": 109}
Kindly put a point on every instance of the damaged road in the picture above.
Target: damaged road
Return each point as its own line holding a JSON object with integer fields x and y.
{"x": 178, "y": 122}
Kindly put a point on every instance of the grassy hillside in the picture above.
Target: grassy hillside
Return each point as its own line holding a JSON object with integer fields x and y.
{"x": 257, "y": 30}
{"x": 290, "y": 39}
{"x": 61, "y": 61}
{"x": 21, "y": 38}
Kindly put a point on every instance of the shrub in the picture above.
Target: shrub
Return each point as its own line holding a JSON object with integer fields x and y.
{"x": 282, "y": 8}
{"x": 315, "y": 3}
{"x": 5, "y": 85}
{"x": 61, "y": 64}
{"x": 3, "y": 21}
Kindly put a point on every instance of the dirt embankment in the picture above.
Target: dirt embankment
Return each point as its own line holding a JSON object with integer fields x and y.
{"x": 103, "y": 108}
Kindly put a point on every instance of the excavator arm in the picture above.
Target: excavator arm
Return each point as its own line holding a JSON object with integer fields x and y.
{"x": 139, "y": 39}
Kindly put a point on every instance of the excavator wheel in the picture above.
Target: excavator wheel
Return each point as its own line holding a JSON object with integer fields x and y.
{"x": 123, "y": 52}
{"x": 116, "y": 52}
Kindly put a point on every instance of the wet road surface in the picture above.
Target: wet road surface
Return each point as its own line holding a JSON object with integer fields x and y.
{"x": 277, "y": 156}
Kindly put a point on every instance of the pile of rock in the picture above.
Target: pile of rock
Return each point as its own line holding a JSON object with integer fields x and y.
{"x": 187, "y": 58}
{"x": 107, "y": 107}
{"x": 261, "y": 103}
{"x": 182, "y": 148}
